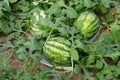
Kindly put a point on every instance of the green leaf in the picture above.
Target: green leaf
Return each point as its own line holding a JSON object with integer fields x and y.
{"x": 90, "y": 59}
{"x": 12, "y": 1}
{"x": 21, "y": 50}
{"x": 79, "y": 7}
{"x": 106, "y": 3}
{"x": 87, "y": 75}
{"x": 25, "y": 8}
{"x": 28, "y": 44}
{"x": 1, "y": 9}
{"x": 118, "y": 9}
{"x": 118, "y": 64}
{"x": 102, "y": 8}
{"x": 55, "y": 7}
{"x": 4, "y": 48}
{"x": 109, "y": 76}
{"x": 4, "y": 25}
{"x": 14, "y": 35}
{"x": 36, "y": 57}
{"x": 114, "y": 56}
{"x": 99, "y": 64}
{"x": 27, "y": 76}
{"x": 63, "y": 31}
{"x": 114, "y": 33}
{"x": 77, "y": 1}
{"x": 88, "y": 3}
{"x": 1, "y": 25}
{"x": 6, "y": 5}
{"x": 109, "y": 17}
{"x": 1, "y": 13}
{"x": 116, "y": 73}
{"x": 21, "y": 40}
{"x": 77, "y": 69}
{"x": 71, "y": 13}
{"x": 74, "y": 54}
{"x": 22, "y": 56}
{"x": 108, "y": 71}
{"x": 100, "y": 76}
{"x": 4, "y": 62}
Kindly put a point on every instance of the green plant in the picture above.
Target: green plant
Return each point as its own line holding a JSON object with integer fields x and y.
{"x": 5, "y": 68}
{"x": 96, "y": 60}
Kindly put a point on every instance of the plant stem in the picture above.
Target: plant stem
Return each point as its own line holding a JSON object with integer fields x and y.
{"x": 48, "y": 37}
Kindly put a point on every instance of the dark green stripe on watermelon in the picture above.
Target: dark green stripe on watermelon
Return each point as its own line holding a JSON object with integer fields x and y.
{"x": 88, "y": 24}
{"x": 58, "y": 45}
{"x": 57, "y": 50}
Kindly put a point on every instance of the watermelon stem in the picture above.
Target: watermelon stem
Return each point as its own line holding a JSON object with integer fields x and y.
{"x": 72, "y": 62}
{"x": 108, "y": 27}
{"x": 48, "y": 37}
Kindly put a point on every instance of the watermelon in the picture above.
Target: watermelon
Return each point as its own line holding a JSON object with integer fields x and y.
{"x": 40, "y": 22}
{"x": 57, "y": 50}
{"x": 87, "y": 23}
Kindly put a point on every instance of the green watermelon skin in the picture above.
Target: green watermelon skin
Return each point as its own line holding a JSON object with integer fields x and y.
{"x": 87, "y": 23}
{"x": 38, "y": 22}
{"x": 57, "y": 50}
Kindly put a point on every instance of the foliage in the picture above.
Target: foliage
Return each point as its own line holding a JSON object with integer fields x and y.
{"x": 98, "y": 60}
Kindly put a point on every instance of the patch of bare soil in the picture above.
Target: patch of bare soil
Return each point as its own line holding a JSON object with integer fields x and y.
{"x": 103, "y": 30}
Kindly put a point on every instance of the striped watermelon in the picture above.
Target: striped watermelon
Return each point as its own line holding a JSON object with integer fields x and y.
{"x": 57, "y": 50}
{"x": 88, "y": 24}
{"x": 40, "y": 22}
